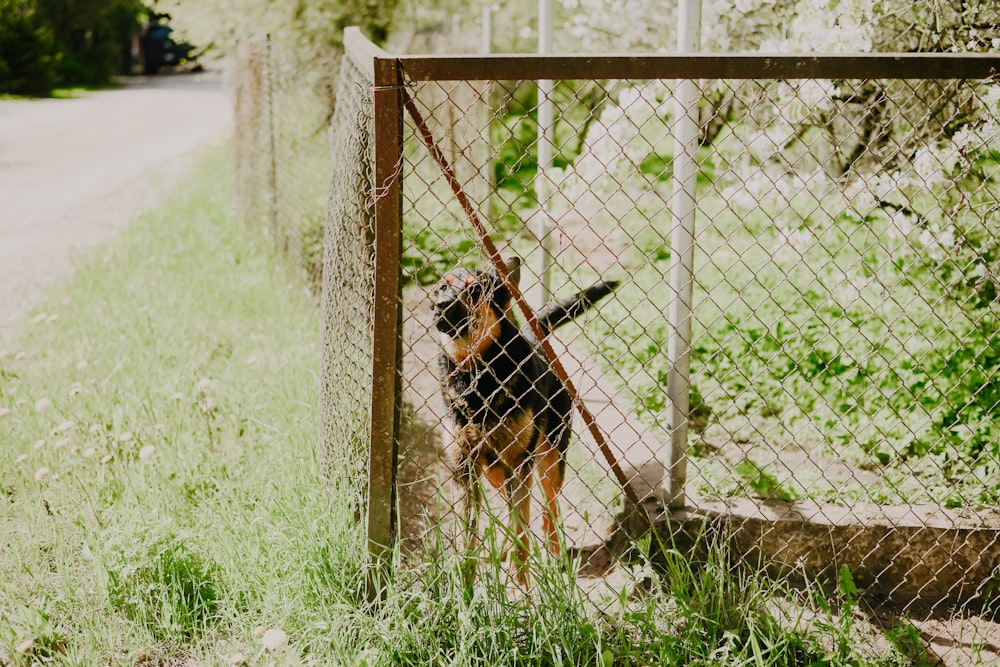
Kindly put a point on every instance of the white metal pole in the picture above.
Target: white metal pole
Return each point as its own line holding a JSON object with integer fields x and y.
{"x": 546, "y": 139}
{"x": 486, "y": 47}
{"x": 487, "y": 43}
{"x": 685, "y": 181}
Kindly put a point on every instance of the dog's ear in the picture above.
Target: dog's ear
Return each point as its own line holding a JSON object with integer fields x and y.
{"x": 502, "y": 289}
{"x": 513, "y": 266}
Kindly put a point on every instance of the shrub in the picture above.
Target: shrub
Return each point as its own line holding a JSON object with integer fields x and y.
{"x": 26, "y": 52}
{"x": 44, "y": 44}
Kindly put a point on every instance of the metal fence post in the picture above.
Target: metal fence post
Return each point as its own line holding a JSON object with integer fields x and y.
{"x": 387, "y": 329}
{"x": 682, "y": 253}
{"x": 546, "y": 140}
{"x": 272, "y": 160}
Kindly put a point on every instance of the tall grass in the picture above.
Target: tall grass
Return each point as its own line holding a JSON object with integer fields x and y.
{"x": 160, "y": 504}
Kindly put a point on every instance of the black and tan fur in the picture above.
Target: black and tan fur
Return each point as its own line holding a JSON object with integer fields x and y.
{"x": 511, "y": 413}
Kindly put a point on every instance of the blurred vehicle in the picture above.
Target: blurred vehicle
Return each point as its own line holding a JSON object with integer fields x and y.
{"x": 158, "y": 49}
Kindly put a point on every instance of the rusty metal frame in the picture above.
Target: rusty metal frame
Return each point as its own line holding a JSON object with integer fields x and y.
{"x": 387, "y": 317}
{"x": 709, "y": 66}
{"x": 389, "y": 73}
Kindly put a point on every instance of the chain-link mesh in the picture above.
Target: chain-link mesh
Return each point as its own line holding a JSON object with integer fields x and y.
{"x": 845, "y": 344}
{"x": 283, "y": 150}
{"x": 348, "y": 292}
{"x": 249, "y": 86}
{"x": 844, "y": 397}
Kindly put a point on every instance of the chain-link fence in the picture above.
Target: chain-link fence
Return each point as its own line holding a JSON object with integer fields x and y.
{"x": 842, "y": 403}
{"x": 348, "y": 291}
{"x": 283, "y": 109}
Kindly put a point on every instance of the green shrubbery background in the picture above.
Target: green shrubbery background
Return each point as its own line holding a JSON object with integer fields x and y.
{"x": 45, "y": 44}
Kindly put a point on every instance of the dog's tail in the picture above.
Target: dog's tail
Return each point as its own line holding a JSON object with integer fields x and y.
{"x": 556, "y": 313}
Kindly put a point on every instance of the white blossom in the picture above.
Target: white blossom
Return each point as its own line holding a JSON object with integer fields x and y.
{"x": 937, "y": 242}
{"x": 928, "y": 166}
{"x": 900, "y": 224}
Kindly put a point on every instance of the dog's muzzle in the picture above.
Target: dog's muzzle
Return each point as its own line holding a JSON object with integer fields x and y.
{"x": 452, "y": 317}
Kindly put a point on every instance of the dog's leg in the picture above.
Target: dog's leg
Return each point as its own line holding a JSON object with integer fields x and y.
{"x": 550, "y": 475}
{"x": 519, "y": 499}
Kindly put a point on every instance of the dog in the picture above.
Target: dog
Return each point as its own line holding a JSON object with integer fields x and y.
{"x": 511, "y": 414}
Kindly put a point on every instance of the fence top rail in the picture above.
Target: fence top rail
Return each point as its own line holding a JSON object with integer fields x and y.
{"x": 362, "y": 51}
{"x": 498, "y": 67}
{"x": 705, "y": 66}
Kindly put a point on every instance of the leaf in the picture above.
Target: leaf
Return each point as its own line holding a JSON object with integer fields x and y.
{"x": 846, "y": 585}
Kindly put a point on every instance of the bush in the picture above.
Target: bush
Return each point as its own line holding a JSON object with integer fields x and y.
{"x": 92, "y": 37}
{"x": 44, "y": 43}
{"x": 26, "y": 52}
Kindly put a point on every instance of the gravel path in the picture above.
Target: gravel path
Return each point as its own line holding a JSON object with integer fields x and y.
{"x": 74, "y": 172}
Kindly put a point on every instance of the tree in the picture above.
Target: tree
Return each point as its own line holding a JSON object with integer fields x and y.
{"x": 310, "y": 26}
{"x": 885, "y": 143}
{"x": 26, "y": 51}
{"x": 47, "y": 43}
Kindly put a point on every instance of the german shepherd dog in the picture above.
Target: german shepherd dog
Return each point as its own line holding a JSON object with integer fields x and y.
{"x": 511, "y": 413}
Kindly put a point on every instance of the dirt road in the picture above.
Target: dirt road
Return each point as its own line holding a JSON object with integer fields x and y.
{"x": 74, "y": 172}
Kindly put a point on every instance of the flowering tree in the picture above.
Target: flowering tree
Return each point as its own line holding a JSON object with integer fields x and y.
{"x": 921, "y": 137}
{"x": 876, "y": 183}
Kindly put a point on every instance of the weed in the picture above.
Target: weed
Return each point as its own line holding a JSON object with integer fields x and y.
{"x": 32, "y": 633}
{"x": 160, "y": 580}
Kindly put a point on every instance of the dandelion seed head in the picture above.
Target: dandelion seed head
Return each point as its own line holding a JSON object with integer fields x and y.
{"x": 62, "y": 428}
{"x": 273, "y": 639}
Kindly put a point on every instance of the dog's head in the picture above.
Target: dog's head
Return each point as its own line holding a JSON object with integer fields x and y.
{"x": 469, "y": 306}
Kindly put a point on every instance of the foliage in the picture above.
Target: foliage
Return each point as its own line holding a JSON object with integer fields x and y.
{"x": 864, "y": 359}
{"x": 425, "y": 259}
{"x": 819, "y": 26}
{"x": 939, "y": 205}
{"x": 26, "y": 51}
{"x": 92, "y": 37}
{"x": 856, "y": 127}
{"x": 47, "y": 43}
{"x": 313, "y": 30}
{"x": 860, "y": 127}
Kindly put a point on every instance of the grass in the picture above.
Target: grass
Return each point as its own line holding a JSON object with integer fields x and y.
{"x": 160, "y": 504}
{"x": 830, "y": 351}
{"x": 66, "y": 93}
